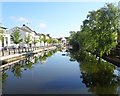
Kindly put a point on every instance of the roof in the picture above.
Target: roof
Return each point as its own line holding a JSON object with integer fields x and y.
{"x": 59, "y": 38}
{"x": 21, "y": 29}
{"x": 66, "y": 37}
{"x": 35, "y": 32}
{"x": 26, "y": 28}
{"x": 3, "y": 27}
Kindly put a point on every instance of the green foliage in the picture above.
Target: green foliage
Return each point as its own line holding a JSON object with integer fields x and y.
{"x": 28, "y": 64}
{"x": 27, "y": 39}
{"x": 1, "y": 34}
{"x": 50, "y": 40}
{"x": 35, "y": 41}
{"x": 54, "y": 41}
{"x": 73, "y": 39}
{"x": 40, "y": 39}
{"x": 4, "y": 77}
{"x": 16, "y": 36}
{"x": 17, "y": 70}
{"x": 98, "y": 33}
{"x": 44, "y": 39}
{"x": 98, "y": 78}
{"x": 2, "y": 37}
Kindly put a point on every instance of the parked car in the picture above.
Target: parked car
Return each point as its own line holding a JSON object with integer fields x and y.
{"x": 14, "y": 46}
{"x": 23, "y": 45}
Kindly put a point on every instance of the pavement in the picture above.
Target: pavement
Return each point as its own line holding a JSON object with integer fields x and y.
{"x": 24, "y": 53}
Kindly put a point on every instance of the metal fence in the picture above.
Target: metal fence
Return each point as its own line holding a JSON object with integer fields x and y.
{"x": 11, "y": 51}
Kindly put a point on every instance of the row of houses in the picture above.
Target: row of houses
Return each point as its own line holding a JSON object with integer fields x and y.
{"x": 24, "y": 31}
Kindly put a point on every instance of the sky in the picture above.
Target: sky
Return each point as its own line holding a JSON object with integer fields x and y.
{"x": 54, "y": 18}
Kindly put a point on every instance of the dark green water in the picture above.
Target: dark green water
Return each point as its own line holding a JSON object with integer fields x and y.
{"x": 61, "y": 73}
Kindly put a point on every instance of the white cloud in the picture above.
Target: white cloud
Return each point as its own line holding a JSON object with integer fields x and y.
{"x": 20, "y": 19}
{"x": 42, "y": 25}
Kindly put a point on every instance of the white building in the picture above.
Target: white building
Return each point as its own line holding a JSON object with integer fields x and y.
{"x": 6, "y": 37}
{"x": 24, "y": 31}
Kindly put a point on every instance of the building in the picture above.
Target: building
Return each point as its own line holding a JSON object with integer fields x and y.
{"x": 4, "y": 38}
{"x": 24, "y": 31}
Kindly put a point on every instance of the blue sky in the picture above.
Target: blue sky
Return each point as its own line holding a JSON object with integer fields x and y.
{"x": 54, "y": 18}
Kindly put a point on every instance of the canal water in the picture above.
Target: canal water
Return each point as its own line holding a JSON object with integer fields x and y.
{"x": 61, "y": 72}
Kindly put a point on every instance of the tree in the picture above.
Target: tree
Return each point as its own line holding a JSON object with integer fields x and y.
{"x": 40, "y": 39}
{"x": 98, "y": 32}
{"x": 27, "y": 39}
{"x": 49, "y": 41}
{"x": 35, "y": 41}
{"x": 54, "y": 41}
{"x": 16, "y": 36}
{"x": 102, "y": 28}
{"x": 44, "y": 39}
{"x": 2, "y": 37}
{"x": 1, "y": 34}
{"x": 73, "y": 40}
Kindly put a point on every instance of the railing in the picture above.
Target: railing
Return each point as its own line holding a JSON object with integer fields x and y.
{"x": 11, "y": 51}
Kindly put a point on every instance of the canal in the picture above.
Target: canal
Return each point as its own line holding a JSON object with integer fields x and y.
{"x": 61, "y": 72}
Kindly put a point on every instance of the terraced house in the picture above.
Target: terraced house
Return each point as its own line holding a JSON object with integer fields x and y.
{"x": 24, "y": 31}
{"x": 4, "y": 38}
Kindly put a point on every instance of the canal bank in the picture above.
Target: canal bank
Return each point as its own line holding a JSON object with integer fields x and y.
{"x": 112, "y": 59}
{"x": 5, "y": 60}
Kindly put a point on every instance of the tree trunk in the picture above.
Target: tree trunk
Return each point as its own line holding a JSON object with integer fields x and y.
{"x": 99, "y": 60}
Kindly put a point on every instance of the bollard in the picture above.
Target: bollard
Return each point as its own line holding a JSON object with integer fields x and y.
{"x": 9, "y": 50}
{"x": 25, "y": 49}
{"x": 22, "y": 49}
{"x": 2, "y": 52}
{"x": 14, "y": 51}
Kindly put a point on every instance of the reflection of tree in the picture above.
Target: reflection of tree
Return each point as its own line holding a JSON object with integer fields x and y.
{"x": 28, "y": 64}
{"x": 36, "y": 59}
{"x": 49, "y": 54}
{"x": 4, "y": 77}
{"x": 46, "y": 55}
{"x": 72, "y": 59}
{"x": 98, "y": 78}
{"x": 16, "y": 69}
{"x": 43, "y": 58}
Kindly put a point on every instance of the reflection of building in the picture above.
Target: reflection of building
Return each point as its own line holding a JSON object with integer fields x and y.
{"x": 62, "y": 40}
{"x": 5, "y": 38}
{"x": 42, "y": 61}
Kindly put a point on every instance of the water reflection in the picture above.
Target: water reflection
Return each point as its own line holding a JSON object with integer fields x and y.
{"x": 98, "y": 78}
{"x": 4, "y": 77}
{"x": 17, "y": 71}
{"x": 26, "y": 64}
